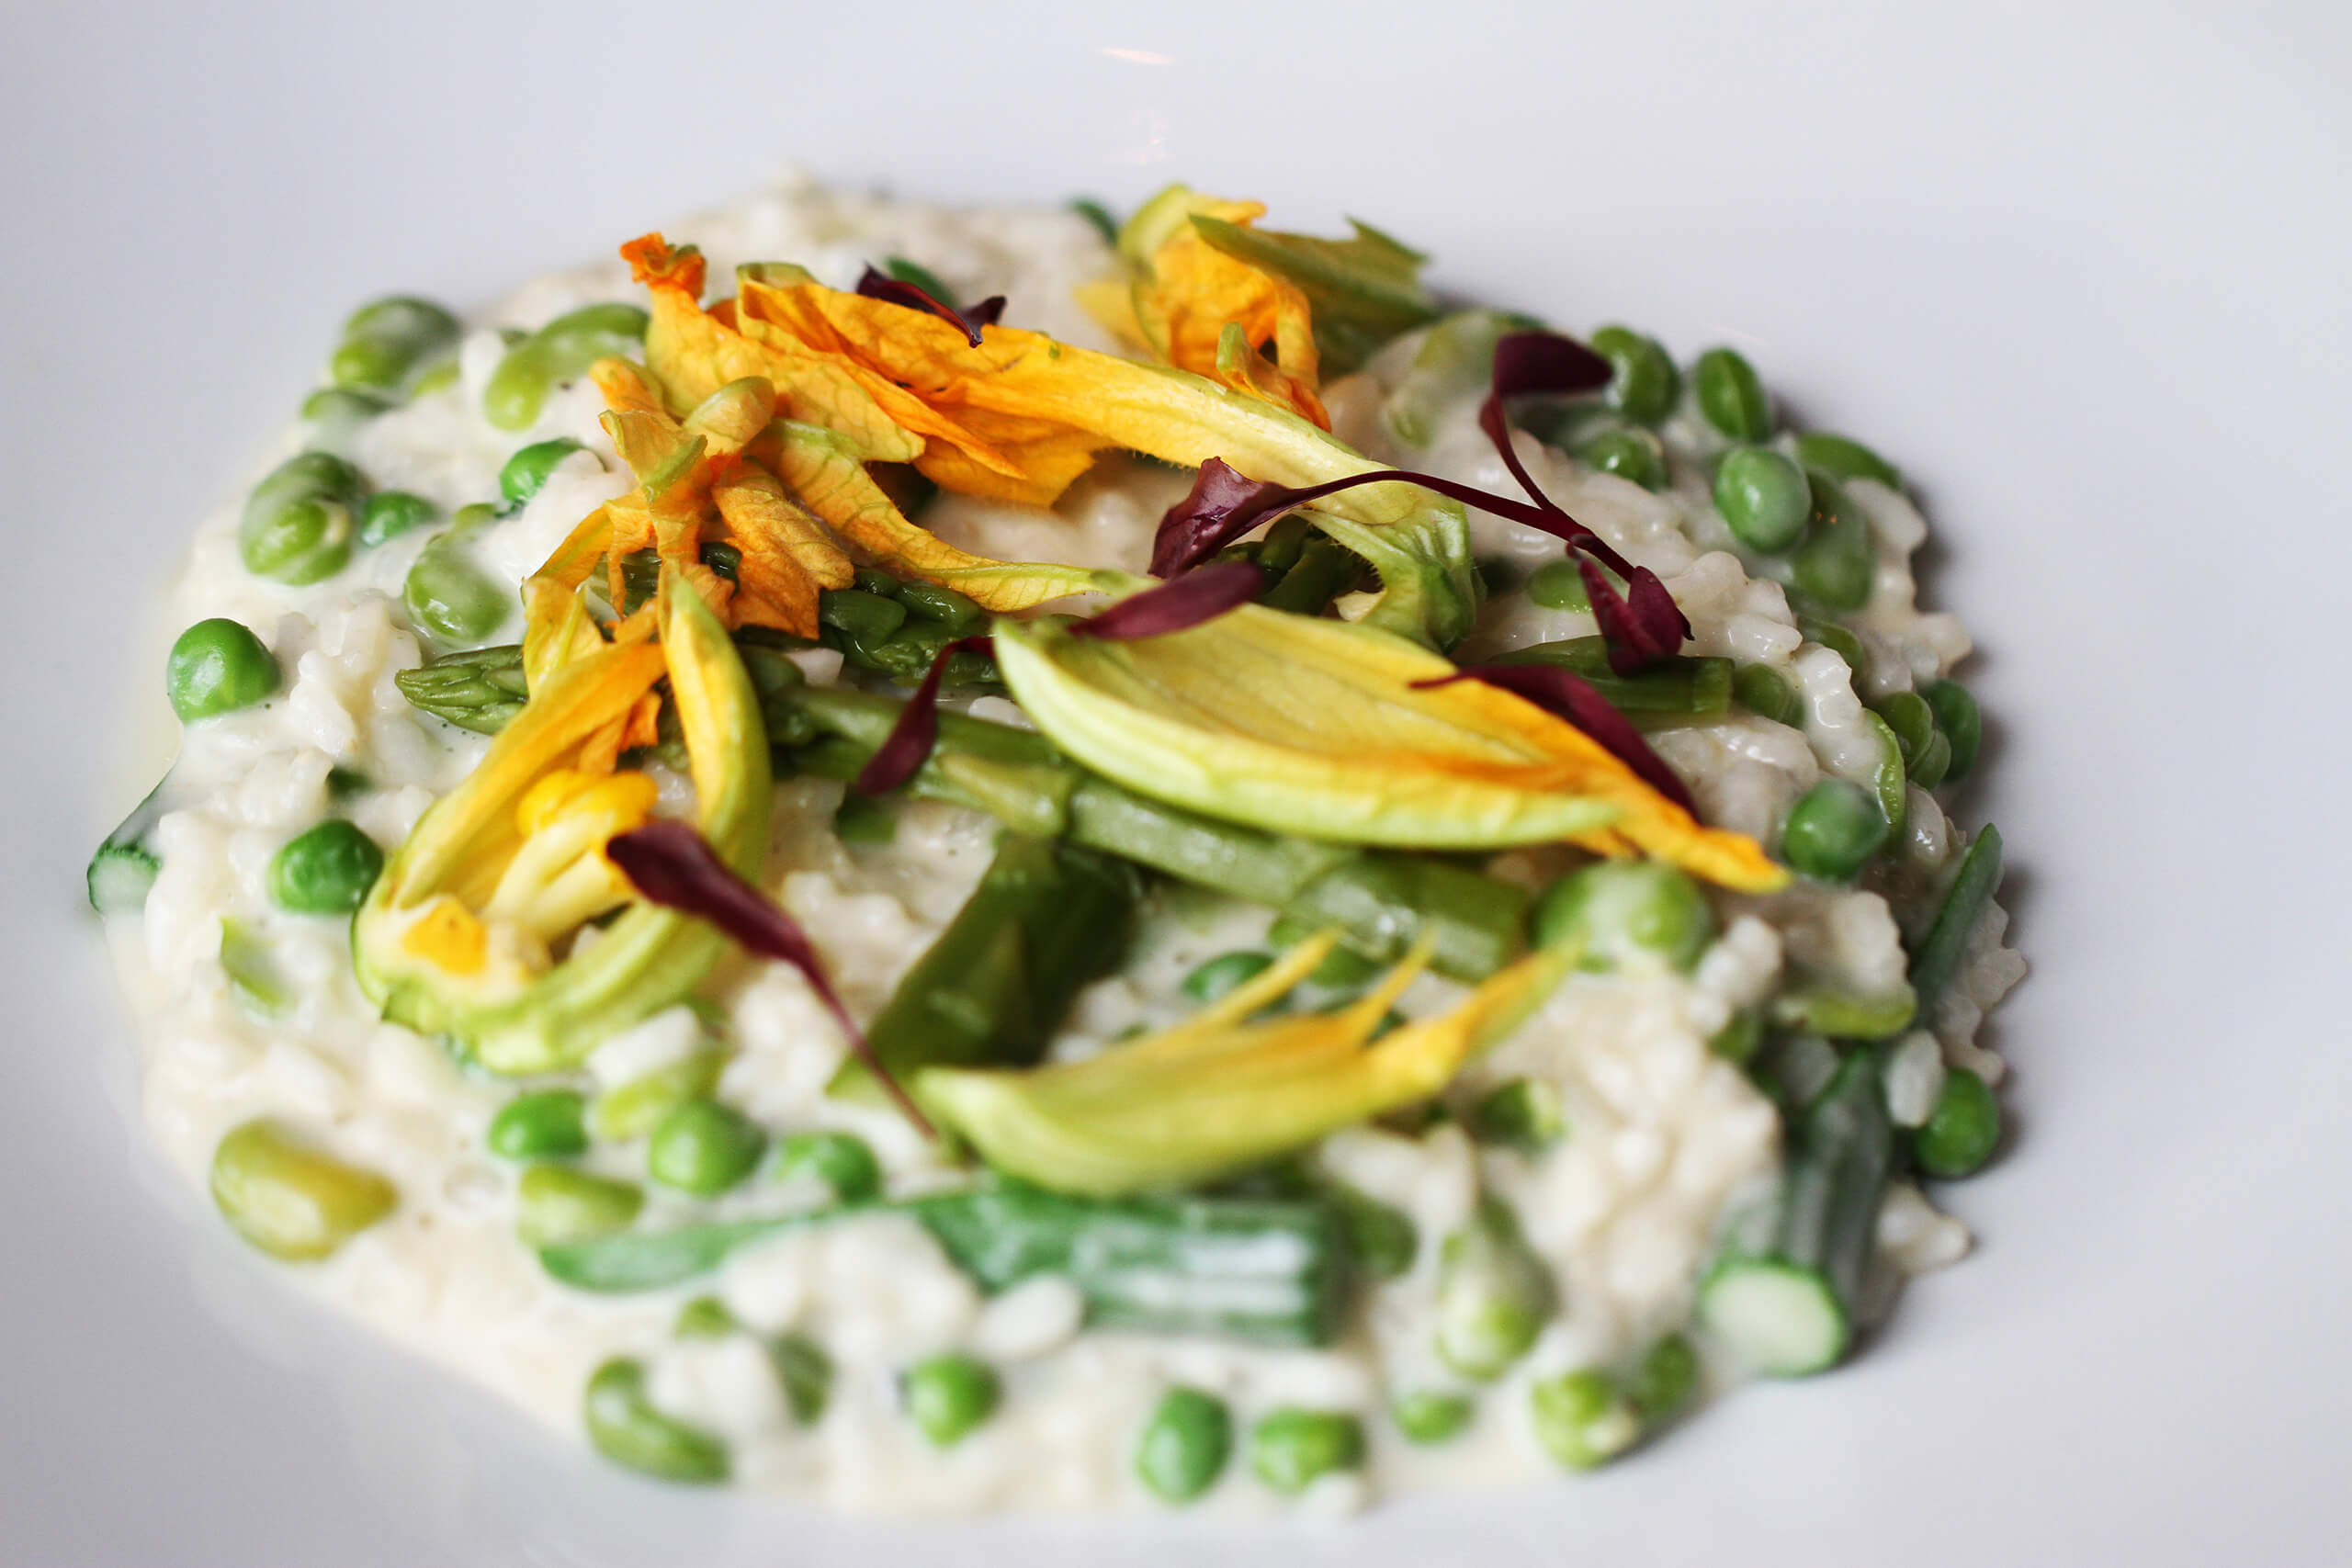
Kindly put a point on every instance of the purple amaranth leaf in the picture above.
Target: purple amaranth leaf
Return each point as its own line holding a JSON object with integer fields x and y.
{"x": 672, "y": 866}
{"x": 1177, "y": 605}
{"x": 1569, "y": 697}
{"x": 878, "y": 286}
{"x": 910, "y": 742}
{"x": 1545, "y": 362}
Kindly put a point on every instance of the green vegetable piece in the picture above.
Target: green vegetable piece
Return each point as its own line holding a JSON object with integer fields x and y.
{"x": 558, "y": 1203}
{"x": 1887, "y": 782}
{"x": 703, "y": 1148}
{"x": 1961, "y": 1132}
{"x": 705, "y": 1317}
{"x": 1290, "y": 1449}
{"x": 1382, "y": 1239}
{"x": 952, "y": 610}
{"x": 1582, "y": 1419}
{"x": 325, "y": 871}
{"x": 1643, "y": 384}
{"x": 560, "y": 352}
{"x": 385, "y": 344}
{"x": 448, "y": 597}
{"x": 1836, "y": 1015}
{"x": 550, "y": 1125}
{"x": 1225, "y": 973}
{"x": 1492, "y": 1295}
{"x": 1782, "y": 1291}
{"x": 298, "y": 522}
{"x": 625, "y": 1428}
{"x": 434, "y": 379}
{"x": 1344, "y": 969}
{"x": 125, "y": 866}
{"x": 1558, "y": 585}
{"x": 1629, "y": 914}
{"x": 525, "y": 473}
{"x": 389, "y": 513}
{"x": 1184, "y": 1445}
{"x": 1833, "y": 830}
{"x": 344, "y": 783}
{"x": 1521, "y": 1113}
{"x": 1911, "y": 721}
{"x": 1840, "y": 640}
{"x": 805, "y": 1373}
{"x": 922, "y": 277}
{"x": 291, "y": 1198}
{"x": 1664, "y": 1380}
{"x": 1846, "y": 459}
{"x": 1730, "y": 395}
{"x": 1936, "y": 960}
{"x": 1634, "y": 455}
{"x": 1455, "y": 362}
{"x": 1837, "y": 564}
{"x": 1099, "y": 216}
{"x": 1962, "y": 724}
{"x": 948, "y": 1396}
{"x": 1427, "y": 1418}
{"x": 875, "y": 580}
{"x": 1765, "y": 693}
{"x": 629, "y": 1110}
{"x": 863, "y": 820}
{"x": 843, "y": 1161}
{"x": 335, "y": 415}
{"x": 862, "y": 615}
{"x": 1738, "y": 1041}
{"x": 252, "y": 969}
{"x": 1764, "y": 497}
{"x": 480, "y": 688}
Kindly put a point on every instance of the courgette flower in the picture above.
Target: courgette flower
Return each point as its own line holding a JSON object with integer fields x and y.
{"x": 474, "y": 929}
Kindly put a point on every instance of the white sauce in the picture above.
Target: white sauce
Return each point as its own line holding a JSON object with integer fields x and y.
{"x": 1662, "y": 1133}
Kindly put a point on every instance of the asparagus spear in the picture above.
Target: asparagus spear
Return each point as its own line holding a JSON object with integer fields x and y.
{"x": 1267, "y": 1270}
{"x": 478, "y": 690}
{"x": 1937, "y": 958}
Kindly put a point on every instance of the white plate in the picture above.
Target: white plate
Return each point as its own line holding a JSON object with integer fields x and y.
{"x": 2080, "y": 268}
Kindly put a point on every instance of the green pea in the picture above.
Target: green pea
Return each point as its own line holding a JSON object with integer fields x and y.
{"x": 1962, "y": 724}
{"x": 1226, "y": 973}
{"x": 1382, "y": 1240}
{"x": 335, "y": 415}
{"x": 1832, "y": 830}
{"x": 386, "y": 341}
{"x": 434, "y": 379}
{"x": 1343, "y": 967}
{"x": 864, "y": 616}
{"x": 1738, "y": 1041}
{"x": 705, "y": 1317}
{"x": 1184, "y": 1445}
{"x": 526, "y": 471}
{"x": 1730, "y": 396}
{"x": 1888, "y": 779}
{"x": 1840, "y": 640}
{"x": 1290, "y": 1449}
{"x": 1846, "y": 459}
{"x": 1521, "y": 1113}
{"x": 1643, "y": 384}
{"x": 703, "y": 1148}
{"x": 1765, "y": 693}
{"x": 1630, "y": 914}
{"x": 560, "y": 352}
{"x": 326, "y": 870}
{"x": 630, "y": 1109}
{"x": 1581, "y": 1420}
{"x": 1631, "y": 454}
{"x": 251, "y": 965}
{"x": 959, "y": 614}
{"x": 948, "y": 1395}
{"x": 1764, "y": 497}
{"x": 1427, "y": 1418}
{"x": 297, "y": 526}
{"x": 560, "y": 1202}
{"x": 1837, "y": 565}
{"x": 550, "y": 1125}
{"x": 805, "y": 1373}
{"x": 1494, "y": 1295}
{"x": 449, "y": 598}
{"x": 1961, "y": 1131}
{"x": 843, "y": 1161}
{"x": 1663, "y": 1379}
{"x": 291, "y": 1199}
{"x": 389, "y": 513}
{"x": 625, "y": 1428}
{"x": 1558, "y": 585}
{"x": 218, "y": 666}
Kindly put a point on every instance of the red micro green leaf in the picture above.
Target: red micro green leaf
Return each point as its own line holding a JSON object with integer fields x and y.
{"x": 1176, "y": 606}
{"x": 672, "y": 865}
{"x": 1568, "y": 695}
{"x": 877, "y": 286}
{"x": 908, "y": 746}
